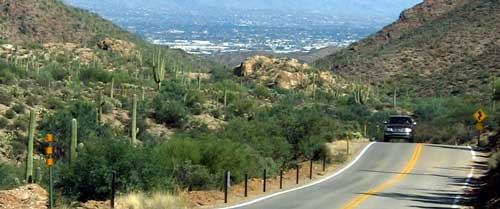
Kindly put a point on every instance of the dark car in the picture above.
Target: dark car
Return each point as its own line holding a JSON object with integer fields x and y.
{"x": 400, "y": 127}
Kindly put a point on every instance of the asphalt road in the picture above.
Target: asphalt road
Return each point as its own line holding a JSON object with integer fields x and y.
{"x": 387, "y": 176}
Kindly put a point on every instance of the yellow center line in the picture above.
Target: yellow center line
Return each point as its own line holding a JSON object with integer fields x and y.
{"x": 406, "y": 170}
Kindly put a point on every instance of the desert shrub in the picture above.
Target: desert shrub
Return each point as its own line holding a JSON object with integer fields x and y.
{"x": 3, "y": 122}
{"x": 19, "y": 146}
{"x": 5, "y": 97}
{"x": 263, "y": 135}
{"x": 172, "y": 105}
{"x": 10, "y": 114}
{"x": 9, "y": 74}
{"x": 172, "y": 113}
{"x": 137, "y": 169}
{"x": 263, "y": 92}
{"x": 10, "y": 176}
{"x": 194, "y": 101}
{"x": 59, "y": 124}
{"x": 54, "y": 103}
{"x": 215, "y": 155}
{"x": 21, "y": 123}
{"x": 33, "y": 100}
{"x": 443, "y": 120}
{"x": 94, "y": 74}
{"x": 244, "y": 107}
{"x": 19, "y": 108}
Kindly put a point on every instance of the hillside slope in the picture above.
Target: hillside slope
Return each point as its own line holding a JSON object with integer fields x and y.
{"x": 439, "y": 47}
{"x": 51, "y": 21}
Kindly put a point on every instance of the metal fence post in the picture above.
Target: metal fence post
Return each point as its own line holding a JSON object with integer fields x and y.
{"x": 225, "y": 186}
{"x": 298, "y": 170}
{"x": 324, "y": 162}
{"x": 265, "y": 178}
{"x": 113, "y": 188}
{"x": 246, "y": 185}
{"x": 311, "y": 170}
{"x": 281, "y": 179}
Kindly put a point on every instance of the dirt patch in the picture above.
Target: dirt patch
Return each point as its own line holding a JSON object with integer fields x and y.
{"x": 29, "y": 196}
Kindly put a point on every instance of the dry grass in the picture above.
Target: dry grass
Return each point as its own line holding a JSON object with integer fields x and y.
{"x": 154, "y": 201}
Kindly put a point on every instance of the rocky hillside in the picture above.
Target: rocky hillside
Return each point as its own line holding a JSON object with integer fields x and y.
{"x": 285, "y": 73}
{"x": 51, "y": 21}
{"x": 439, "y": 47}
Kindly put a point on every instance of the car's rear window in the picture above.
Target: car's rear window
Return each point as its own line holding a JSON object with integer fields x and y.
{"x": 399, "y": 120}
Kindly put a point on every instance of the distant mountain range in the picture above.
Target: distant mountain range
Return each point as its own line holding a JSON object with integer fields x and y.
{"x": 359, "y": 8}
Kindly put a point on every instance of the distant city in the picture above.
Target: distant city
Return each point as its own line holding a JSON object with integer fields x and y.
{"x": 221, "y": 30}
{"x": 208, "y": 40}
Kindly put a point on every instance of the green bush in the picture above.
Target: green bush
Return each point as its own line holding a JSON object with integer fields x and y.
{"x": 10, "y": 114}
{"x": 5, "y": 97}
{"x": 263, "y": 92}
{"x": 3, "y": 122}
{"x": 21, "y": 123}
{"x": 94, "y": 74}
{"x": 19, "y": 108}
{"x": 172, "y": 113}
{"x": 172, "y": 105}
{"x": 10, "y": 176}
{"x": 137, "y": 169}
{"x": 59, "y": 124}
{"x": 33, "y": 100}
{"x": 54, "y": 103}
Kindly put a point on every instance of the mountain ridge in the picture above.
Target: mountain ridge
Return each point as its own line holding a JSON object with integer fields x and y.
{"x": 439, "y": 47}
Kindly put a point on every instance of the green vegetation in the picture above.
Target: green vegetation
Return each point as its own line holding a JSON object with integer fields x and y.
{"x": 187, "y": 128}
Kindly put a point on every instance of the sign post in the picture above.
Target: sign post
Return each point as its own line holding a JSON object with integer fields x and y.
{"x": 49, "y": 151}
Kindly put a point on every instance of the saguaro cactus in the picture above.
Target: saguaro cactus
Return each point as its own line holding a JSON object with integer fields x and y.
{"x": 395, "y": 96}
{"x": 74, "y": 140}
{"x": 112, "y": 88}
{"x": 134, "y": 119}
{"x": 31, "y": 138}
{"x": 100, "y": 104}
{"x": 159, "y": 69}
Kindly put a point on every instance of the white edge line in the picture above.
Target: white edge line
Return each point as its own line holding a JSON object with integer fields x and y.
{"x": 467, "y": 182}
{"x": 307, "y": 185}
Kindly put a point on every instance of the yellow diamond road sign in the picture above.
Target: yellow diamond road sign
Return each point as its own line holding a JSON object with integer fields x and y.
{"x": 480, "y": 116}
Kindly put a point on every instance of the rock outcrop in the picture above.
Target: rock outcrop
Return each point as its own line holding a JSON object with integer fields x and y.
{"x": 283, "y": 73}
{"x": 30, "y": 196}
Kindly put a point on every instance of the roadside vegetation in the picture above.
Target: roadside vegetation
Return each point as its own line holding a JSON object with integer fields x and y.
{"x": 192, "y": 119}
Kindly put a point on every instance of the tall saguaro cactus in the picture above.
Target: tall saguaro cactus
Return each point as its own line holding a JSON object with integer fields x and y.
{"x": 134, "y": 119}
{"x": 31, "y": 138}
{"x": 394, "y": 99}
{"x": 112, "y": 88}
{"x": 159, "y": 64}
{"x": 74, "y": 140}
{"x": 100, "y": 105}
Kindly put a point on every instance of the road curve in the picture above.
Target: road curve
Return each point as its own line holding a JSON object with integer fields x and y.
{"x": 388, "y": 175}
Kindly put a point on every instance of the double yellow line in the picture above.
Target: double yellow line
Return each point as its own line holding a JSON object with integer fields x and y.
{"x": 407, "y": 169}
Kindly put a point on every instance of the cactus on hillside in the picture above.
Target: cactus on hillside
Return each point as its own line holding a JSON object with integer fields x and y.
{"x": 74, "y": 140}
{"x": 199, "y": 82}
{"x": 31, "y": 139}
{"x": 134, "y": 119}
{"x": 159, "y": 64}
{"x": 225, "y": 97}
{"x": 395, "y": 97}
{"x": 112, "y": 88}
{"x": 100, "y": 105}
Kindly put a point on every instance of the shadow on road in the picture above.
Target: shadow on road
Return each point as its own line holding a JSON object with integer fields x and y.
{"x": 441, "y": 198}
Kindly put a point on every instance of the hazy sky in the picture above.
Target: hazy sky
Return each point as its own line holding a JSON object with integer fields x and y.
{"x": 360, "y": 8}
